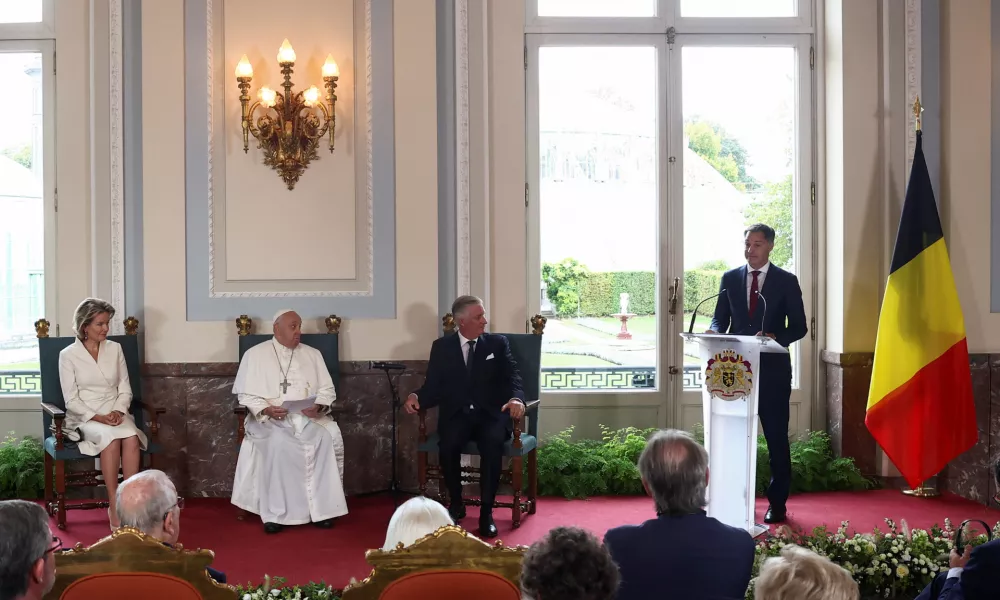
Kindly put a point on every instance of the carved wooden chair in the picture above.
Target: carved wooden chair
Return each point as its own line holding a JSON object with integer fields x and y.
{"x": 523, "y": 445}
{"x": 450, "y": 559}
{"x": 58, "y": 449}
{"x": 328, "y": 345}
{"x": 130, "y": 564}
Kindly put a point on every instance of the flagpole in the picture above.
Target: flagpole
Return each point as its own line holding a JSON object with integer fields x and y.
{"x": 923, "y": 490}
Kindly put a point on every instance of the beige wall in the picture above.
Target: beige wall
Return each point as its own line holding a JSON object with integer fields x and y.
{"x": 169, "y": 336}
{"x": 965, "y": 169}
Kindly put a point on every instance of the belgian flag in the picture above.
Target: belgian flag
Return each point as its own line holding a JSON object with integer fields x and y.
{"x": 920, "y": 406}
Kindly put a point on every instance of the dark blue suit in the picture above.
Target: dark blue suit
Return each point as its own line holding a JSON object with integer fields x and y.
{"x": 469, "y": 404}
{"x": 780, "y": 312}
{"x": 694, "y": 557}
{"x": 980, "y": 579}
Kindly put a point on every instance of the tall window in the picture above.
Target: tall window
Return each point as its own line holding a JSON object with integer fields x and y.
{"x": 658, "y": 130}
{"x": 25, "y": 197}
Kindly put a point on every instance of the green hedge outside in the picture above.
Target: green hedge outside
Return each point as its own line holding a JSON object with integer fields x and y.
{"x": 600, "y": 292}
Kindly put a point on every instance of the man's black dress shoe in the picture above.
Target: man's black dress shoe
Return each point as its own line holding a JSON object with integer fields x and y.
{"x": 487, "y": 528}
{"x": 272, "y": 528}
{"x": 324, "y": 524}
{"x": 774, "y": 515}
{"x": 457, "y": 512}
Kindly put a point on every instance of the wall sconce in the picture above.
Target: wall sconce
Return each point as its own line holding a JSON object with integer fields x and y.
{"x": 290, "y": 128}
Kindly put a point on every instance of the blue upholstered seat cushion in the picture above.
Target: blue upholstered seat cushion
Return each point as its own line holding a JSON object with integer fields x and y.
{"x": 528, "y": 443}
{"x": 71, "y": 452}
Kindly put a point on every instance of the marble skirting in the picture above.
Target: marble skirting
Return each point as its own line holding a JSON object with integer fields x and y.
{"x": 198, "y": 431}
{"x": 970, "y": 475}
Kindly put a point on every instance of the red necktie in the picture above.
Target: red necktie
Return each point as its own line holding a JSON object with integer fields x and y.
{"x": 753, "y": 293}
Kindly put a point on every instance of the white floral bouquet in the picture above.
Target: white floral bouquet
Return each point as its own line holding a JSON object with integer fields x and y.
{"x": 275, "y": 588}
{"x": 898, "y": 563}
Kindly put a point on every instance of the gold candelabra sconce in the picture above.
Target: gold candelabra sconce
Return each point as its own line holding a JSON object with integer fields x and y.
{"x": 290, "y": 125}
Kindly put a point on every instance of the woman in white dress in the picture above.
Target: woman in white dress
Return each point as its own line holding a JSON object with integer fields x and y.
{"x": 98, "y": 393}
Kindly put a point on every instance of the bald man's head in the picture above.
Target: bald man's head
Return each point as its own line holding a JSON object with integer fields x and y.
{"x": 674, "y": 469}
{"x": 148, "y": 502}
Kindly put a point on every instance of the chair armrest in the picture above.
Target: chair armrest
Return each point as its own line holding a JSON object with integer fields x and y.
{"x": 336, "y": 410}
{"x": 241, "y": 411}
{"x": 156, "y": 410}
{"x": 53, "y": 411}
{"x": 531, "y": 406}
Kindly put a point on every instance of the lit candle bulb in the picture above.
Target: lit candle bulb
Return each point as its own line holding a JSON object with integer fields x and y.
{"x": 330, "y": 68}
{"x": 285, "y": 53}
{"x": 267, "y": 96}
{"x": 244, "y": 68}
{"x": 311, "y": 96}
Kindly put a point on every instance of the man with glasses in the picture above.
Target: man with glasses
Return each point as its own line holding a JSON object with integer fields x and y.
{"x": 148, "y": 501}
{"x": 972, "y": 575}
{"x": 27, "y": 564}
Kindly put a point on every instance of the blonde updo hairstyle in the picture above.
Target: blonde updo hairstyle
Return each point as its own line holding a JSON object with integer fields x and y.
{"x": 87, "y": 312}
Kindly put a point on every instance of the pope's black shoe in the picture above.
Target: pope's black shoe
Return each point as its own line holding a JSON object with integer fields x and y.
{"x": 272, "y": 528}
{"x": 487, "y": 528}
{"x": 324, "y": 524}
{"x": 774, "y": 515}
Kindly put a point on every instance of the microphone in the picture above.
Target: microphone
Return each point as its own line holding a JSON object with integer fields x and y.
{"x": 764, "y": 312}
{"x": 386, "y": 366}
{"x": 695, "y": 313}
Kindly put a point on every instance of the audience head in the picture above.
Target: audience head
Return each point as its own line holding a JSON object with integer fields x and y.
{"x": 288, "y": 328}
{"x": 92, "y": 320}
{"x": 568, "y": 564}
{"x": 799, "y": 574}
{"x": 674, "y": 470}
{"x": 27, "y": 564}
{"x": 470, "y": 315}
{"x": 148, "y": 501}
{"x": 414, "y": 519}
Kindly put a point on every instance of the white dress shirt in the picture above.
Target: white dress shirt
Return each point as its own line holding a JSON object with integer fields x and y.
{"x": 760, "y": 279}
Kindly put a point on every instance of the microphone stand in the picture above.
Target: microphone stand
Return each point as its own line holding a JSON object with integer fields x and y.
{"x": 396, "y": 403}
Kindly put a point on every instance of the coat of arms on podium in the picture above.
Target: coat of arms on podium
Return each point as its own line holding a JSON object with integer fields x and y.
{"x": 728, "y": 376}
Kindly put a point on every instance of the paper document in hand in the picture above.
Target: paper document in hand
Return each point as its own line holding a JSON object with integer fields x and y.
{"x": 297, "y": 406}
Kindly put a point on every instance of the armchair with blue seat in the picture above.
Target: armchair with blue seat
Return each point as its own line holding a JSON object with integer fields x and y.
{"x": 58, "y": 448}
{"x": 523, "y": 445}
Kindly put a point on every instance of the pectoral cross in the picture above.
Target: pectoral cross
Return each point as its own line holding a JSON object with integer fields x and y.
{"x": 284, "y": 386}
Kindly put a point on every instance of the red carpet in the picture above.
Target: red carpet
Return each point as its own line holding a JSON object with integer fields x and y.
{"x": 301, "y": 554}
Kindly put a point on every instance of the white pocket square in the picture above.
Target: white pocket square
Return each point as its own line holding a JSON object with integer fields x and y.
{"x": 490, "y": 357}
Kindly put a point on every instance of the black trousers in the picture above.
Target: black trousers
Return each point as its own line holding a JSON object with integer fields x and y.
{"x": 775, "y": 392}
{"x": 489, "y": 434}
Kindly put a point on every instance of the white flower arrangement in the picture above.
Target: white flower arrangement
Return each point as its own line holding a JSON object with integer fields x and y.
{"x": 898, "y": 563}
{"x": 276, "y": 588}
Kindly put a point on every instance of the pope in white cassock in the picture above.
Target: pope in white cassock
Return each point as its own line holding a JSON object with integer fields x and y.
{"x": 291, "y": 465}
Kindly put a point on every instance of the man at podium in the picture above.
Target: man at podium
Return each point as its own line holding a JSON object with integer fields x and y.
{"x": 762, "y": 299}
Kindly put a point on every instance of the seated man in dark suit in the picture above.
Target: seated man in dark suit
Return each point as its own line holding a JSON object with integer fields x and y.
{"x": 973, "y": 575}
{"x": 472, "y": 379}
{"x": 148, "y": 501}
{"x": 682, "y": 553}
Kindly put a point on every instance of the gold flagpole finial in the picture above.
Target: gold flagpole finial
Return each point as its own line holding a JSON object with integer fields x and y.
{"x": 917, "y": 109}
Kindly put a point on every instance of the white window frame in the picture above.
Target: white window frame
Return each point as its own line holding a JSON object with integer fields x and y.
{"x": 803, "y": 391}
{"x": 668, "y": 15}
{"x": 46, "y": 48}
{"x": 43, "y": 30}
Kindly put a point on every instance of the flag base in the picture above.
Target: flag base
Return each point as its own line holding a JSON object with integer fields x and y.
{"x": 922, "y": 491}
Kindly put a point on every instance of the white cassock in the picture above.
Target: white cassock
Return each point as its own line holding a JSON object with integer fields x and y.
{"x": 291, "y": 471}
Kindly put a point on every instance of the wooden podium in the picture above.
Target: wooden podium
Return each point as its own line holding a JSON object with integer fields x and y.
{"x": 729, "y": 402}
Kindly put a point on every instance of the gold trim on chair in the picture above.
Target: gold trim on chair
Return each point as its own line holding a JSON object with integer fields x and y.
{"x": 538, "y": 324}
{"x": 244, "y": 325}
{"x": 42, "y": 328}
{"x": 448, "y": 323}
{"x": 333, "y": 324}
{"x": 131, "y": 326}
{"x": 449, "y": 547}
{"x": 130, "y": 550}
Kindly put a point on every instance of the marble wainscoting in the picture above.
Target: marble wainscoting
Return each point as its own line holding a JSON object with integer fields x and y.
{"x": 198, "y": 432}
{"x": 848, "y": 377}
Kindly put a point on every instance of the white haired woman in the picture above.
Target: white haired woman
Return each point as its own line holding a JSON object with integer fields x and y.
{"x": 97, "y": 391}
{"x": 799, "y": 574}
{"x": 415, "y": 518}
